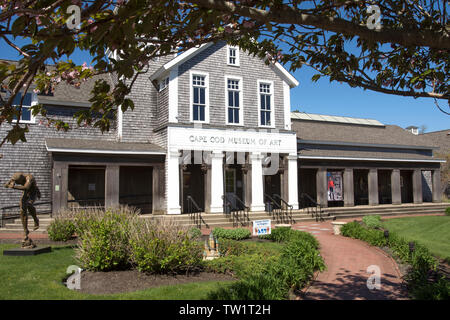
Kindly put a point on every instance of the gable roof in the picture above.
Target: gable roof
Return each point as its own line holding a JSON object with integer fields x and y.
{"x": 183, "y": 57}
{"x": 68, "y": 95}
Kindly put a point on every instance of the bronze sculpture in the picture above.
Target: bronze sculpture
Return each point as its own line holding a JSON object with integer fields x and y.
{"x": 27, "y": 184}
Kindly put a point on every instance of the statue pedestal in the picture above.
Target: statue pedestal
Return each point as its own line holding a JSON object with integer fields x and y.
{"x": 26, "y": 252}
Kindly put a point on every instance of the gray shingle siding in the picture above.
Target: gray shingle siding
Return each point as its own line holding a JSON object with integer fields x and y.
{"x": 213, "y": 61}
{"x": 32, "y": 156}
{"x": 138, "y": 124}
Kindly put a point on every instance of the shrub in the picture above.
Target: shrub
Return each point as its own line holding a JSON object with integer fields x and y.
{"x": 233, "y": 234}
{"x": 271, "y": 279}
{"x": 373, "y": 221}
{"x": 421, "y": 260}
{"x": 447, "y": 211}
{"x": 195, "y": 233}
{"x": 229, "y": 247}
{"x": 104, "y": 239}
{"x": 280, "y": 234}
{"x": 357, "y": 231}
{"x": 283, "y": 234}
{"x": 61, "y": 229}
{"x": 163, "y": 247}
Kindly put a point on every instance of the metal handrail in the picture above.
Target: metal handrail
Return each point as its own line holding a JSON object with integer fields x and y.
{"x": 317, "y": 211}
{"x": 237, "y": 212}
{"x": 195, "y": 212}
{"x": 273, "y": 211}
{"x": 288, "y": 211}
{"x": 234, "y": 216}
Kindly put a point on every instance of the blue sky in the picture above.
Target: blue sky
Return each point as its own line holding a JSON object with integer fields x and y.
{"x": 323, "y": 97}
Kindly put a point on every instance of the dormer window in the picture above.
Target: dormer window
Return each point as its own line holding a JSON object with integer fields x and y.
{"x": 232, "y": 56}
{"x": 26, "y": 116}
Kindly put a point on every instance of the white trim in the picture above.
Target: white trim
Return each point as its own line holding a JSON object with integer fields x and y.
{"x": 173, "y": 95}
{"x": 237, "y": 64}
{"x": 272, "y": 103}
{"x": 241, "y": 100}
{"x": 193, "y": 51}
{"x": 96, "y": 151}
{"x": 119, "y": 123}
{"x": 369, "y": 159}
{"x": 179, "y": 59}
{"x": 285, "y": 74}
{"x": 191, "y": 96}
{"x": 287, "y": 106}
{"x": 65, "y": 103}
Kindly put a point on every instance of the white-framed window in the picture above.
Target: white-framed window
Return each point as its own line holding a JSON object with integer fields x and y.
{"x": 164, "y": 83}
{"x": 233, "y": 55}
{"x": 26, "y": 115}
{"x": 233, "y": 100}
{"x": 266, "y": 103}
{"x": 199, "y": 98}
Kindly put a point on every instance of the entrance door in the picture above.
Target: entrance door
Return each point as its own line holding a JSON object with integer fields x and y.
{"x": 230, "y": 186}
{"x": 193, "y": 186}
{"x": 272, "y": 186}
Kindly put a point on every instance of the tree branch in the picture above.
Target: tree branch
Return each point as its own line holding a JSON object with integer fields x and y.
{"x": 288, "y": 15}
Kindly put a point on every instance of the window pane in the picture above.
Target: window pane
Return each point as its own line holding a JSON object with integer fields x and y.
{"x": 230, "y": 115}
{"x": 236, "y": 99}
{"x": 202, "y": 113}
{"x": 195, "y": 116}
{"x": 263, "y": 118}
{"x": 196, "y": 95}
{"x": 236, "y": 115}
{"x": 26, "y": 114}
{"x": 268, "y": 118}
{"x": 27, "y": 100}
{"x": 267, "y": 102}
{"x": 16, "y": 100}
{"x": 263, "y": 102}
{"x": 230, "y": 98}
{"x": 202, "y": 95}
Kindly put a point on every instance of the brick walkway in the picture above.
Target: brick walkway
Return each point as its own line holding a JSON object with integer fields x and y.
{"x": 347, "y": 261}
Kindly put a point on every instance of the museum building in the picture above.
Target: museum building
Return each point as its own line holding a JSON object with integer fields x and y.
{"x": 212, "y": 128}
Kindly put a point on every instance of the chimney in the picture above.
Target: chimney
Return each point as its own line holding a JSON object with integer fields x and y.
{"x": 413, "y": 129}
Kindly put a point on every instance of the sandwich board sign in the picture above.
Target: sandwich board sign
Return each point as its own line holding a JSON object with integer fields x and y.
{"x": 262, "y": 227}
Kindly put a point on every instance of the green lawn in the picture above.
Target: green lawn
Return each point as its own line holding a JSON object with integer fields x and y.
{"x": 40, "y": 277}
{"x": 432, "y": 231}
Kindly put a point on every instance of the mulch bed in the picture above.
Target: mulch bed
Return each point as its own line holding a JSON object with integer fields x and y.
{"x": 133, "y": 280}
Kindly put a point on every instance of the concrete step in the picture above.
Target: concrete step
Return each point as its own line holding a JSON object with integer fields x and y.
{"x": 30, "y": 226}
{"x": 9, "y": 230}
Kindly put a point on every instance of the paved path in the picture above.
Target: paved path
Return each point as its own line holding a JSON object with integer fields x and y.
{"x": 347, "y": 261}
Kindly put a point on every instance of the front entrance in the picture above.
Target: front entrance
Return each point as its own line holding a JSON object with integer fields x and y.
{"x": 361, "y": 187}
{"x": 272, "y": 187}
{"x": 406, "y": 186}
{"x": 193, "y": 186}
{"x": 307, "y": 184}
{"x": 234, "y": 186}
{"x": 384, "y": 187}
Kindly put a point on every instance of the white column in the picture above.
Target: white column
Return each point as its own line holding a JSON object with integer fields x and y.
{"x": 257, "y": 182}
{"x": 173, "y": 182}
{"x": 216, "y": 182}
{"x": 293, "y": 181}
